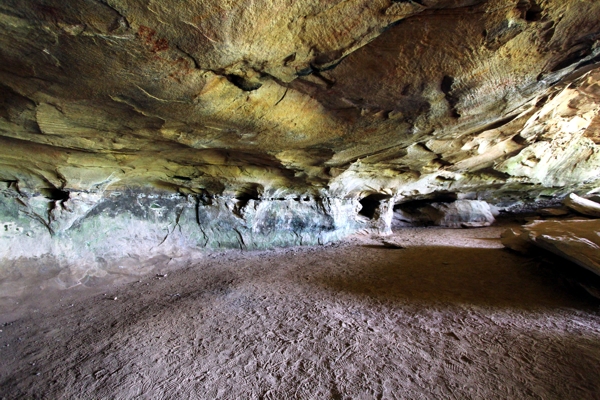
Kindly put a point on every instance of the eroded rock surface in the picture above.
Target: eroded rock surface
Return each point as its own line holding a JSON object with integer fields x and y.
{"x": 285, "y": 122}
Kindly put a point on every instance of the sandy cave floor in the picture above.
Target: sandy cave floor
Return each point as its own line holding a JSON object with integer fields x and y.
{"x": 452, "y": 315}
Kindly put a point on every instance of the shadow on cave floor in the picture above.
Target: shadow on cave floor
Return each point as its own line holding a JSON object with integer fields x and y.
{"x": 452, "y": 276}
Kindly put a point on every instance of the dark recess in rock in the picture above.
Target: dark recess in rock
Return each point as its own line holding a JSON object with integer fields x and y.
{"x": 249, "y": 193}
{"x": 305, "y": 71}
{"x": 437, "y": 198}
{"x": 572, "y": 59}
{"x": 534, "y": 13}
{"x": 55, "y": 194}
{"x": 591, "y": 61}
{"x": 12, "y": 184}
{"x": 447, "y": 83}
{"x": 371, "y": 203}
{"x": 243, "y": 83}
{"x": 289, "y": 59}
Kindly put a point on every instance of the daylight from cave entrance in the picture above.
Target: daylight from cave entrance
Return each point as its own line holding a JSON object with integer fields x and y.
{"x": 300, "y": 199}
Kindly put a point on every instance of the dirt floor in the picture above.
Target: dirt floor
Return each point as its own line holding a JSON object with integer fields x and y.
{"x": 450, "y": 316}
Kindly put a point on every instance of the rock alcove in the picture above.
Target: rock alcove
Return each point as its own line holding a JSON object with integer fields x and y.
{"x": 131, "y": 130}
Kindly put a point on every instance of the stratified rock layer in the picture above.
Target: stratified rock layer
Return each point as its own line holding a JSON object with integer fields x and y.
{"x": 273, "y": 122}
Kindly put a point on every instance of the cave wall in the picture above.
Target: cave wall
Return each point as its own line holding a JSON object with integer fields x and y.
{"x": 74, "y": 240}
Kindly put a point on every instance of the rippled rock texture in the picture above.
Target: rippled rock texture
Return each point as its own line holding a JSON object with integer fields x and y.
{"x": 284, "y": 122}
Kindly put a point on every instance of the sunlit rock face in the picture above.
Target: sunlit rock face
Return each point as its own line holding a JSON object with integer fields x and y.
{"x": 251, "y": 124}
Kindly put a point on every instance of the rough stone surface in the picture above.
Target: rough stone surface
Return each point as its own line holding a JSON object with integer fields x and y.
{"x": 296, "y": 97}
{"x": 265, "y": 123}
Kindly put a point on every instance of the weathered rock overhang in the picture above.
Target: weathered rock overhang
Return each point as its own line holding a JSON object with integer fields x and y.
{"x": 132, "y": 129}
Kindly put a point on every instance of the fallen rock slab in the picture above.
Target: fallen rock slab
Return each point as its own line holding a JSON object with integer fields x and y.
{"x": 582, "y": 205}
{"x": 577, "y": 240}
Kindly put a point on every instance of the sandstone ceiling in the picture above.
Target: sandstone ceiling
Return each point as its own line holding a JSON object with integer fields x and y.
{"x": 270, "y": 99}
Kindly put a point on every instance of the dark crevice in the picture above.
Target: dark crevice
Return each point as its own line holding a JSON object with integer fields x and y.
{"x": 438, "y": 197}
{"x": 55, "y": 194}
{"x": 518, "y": 139}
{"x": 282, "y": 97}
{"x": 13, "y": 184}
{"x": 534, "y": 13}
{"x": 572, "y": 58}
{"x": 446, "y": 86}
{"x": 305, "y": 71}
{"x": 243, "y": 83}
{"x": 447, "y": 82}
{"x": 371, "y": 203}
{"x": 243, "y": 198}
{"x": 500, "y": 123}
{"x": 542, "y": 101}
{"x": 592, "y": 61}
{"x": 289, "y": 59}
